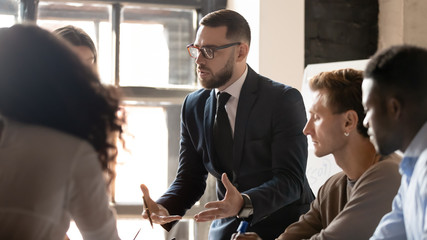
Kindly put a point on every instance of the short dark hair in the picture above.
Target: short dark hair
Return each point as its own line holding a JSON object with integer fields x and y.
{"x": 77, "y": 37}
{"x": 42, "y": 82}
{"x": 237, "y": 27}
{"x": 401, "y": 69}
{"x": 344, "y": 92}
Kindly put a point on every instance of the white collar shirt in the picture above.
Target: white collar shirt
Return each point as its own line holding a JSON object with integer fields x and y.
{"x": 234, "y": 91}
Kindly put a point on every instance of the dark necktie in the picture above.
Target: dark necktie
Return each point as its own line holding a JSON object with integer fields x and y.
{"x": 223, "y": 139}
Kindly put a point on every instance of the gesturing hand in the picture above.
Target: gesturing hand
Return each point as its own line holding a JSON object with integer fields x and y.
{"x": 228, "y": 207}
{"x": 159, "y": 214}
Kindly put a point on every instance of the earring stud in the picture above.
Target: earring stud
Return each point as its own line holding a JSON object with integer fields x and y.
{"x": 346, "y": 134}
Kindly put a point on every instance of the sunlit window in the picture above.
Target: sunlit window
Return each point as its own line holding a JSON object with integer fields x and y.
{"x": 8, "y": 12}
{"x": 144, "y": 55}
{"x": 152, "y": 47}
{"x": 94, "y": 19}
{"x": 7, "y": 20}
{"x": 145, "y": 161}
{"x": 152, "y": 41}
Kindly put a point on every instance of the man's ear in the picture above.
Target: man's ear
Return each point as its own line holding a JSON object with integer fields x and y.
{"x": 243, "y": 52}
{"x": 351, "y": 120}
{"x": 394, "y": 108}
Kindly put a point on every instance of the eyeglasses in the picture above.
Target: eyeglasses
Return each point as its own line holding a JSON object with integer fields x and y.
{"x": 207, "y": 52}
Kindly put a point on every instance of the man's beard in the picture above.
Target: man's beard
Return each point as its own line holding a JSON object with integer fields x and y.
{"x": 221, "y": 77}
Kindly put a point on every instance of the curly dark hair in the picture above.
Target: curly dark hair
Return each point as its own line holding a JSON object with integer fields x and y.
{"x": 43, "y": 82}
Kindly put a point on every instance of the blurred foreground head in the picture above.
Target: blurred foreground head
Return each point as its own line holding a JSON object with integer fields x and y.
{"x": 43, "y": 82}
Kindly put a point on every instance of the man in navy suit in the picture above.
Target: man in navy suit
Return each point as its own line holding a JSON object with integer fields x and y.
{"x": 264, "y": 183}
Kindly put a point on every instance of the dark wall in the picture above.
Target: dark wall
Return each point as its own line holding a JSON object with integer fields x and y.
{"x": 340, "y": 30}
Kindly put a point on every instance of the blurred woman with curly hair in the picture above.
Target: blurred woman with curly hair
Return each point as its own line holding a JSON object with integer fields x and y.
{"x": 56, "y": 119}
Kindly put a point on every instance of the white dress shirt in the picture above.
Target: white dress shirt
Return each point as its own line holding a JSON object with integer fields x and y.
{"x": 234, "y": 91}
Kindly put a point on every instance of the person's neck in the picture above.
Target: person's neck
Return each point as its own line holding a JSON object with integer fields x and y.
{"x": 237, "y": 73}
{"x": 357, "y": 157}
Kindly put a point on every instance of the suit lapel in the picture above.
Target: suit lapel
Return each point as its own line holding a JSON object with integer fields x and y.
{"x": 248, "y": 96}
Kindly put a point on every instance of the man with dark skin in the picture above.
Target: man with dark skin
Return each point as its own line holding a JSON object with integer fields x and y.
{"x": 395, "y": 102}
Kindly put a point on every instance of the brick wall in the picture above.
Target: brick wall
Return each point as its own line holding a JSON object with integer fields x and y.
{"x": 340, "y": 30}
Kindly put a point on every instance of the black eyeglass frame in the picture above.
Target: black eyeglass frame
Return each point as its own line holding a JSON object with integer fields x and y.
{"x": 213, "y": 49}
